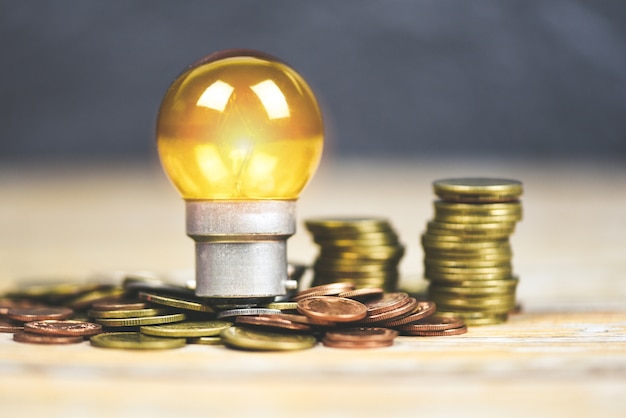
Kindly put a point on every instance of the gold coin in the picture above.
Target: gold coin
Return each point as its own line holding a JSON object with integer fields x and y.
{"x": 187, "y": 303}
{"x": 127, "y": 313}
{"x": 471, "y": 231}
{"x": 85, "y": 300}
{"x": 477, "y": 189}
{"x": 348, "y": 224}
{"x": 478, "y": 209}
{"x": 461, "y": 243}
{"x": 476, "y": 219}
{"x": 252, "y": 339}
{"x": 135, "y": 341}
{"x": 339, "y": 243}
{"x": 493, "y": 256}
{"x": 463, "y": 276}
{"x": 282, "y": 306}
{"x": 477, "y": 318}
{"x": 494, "y": 305}
{"x": 510, "y": 282}
{"x": 186, "y": 329}
{"x": 458, "y": 291}
{"x": 354, "y": 268}
{"x": 135, "y": 322}
{"x": 342, "y": 263}
{"x": 499, "y": 270}
{"x": 216, "y": 340}
{"x": 466, "y": 264}
{"x": 54, "y": 290}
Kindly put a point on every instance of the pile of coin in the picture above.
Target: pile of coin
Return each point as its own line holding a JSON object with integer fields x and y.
{"x": 467, "y": 253}
{"x": 361, "y": 251}
{"x": 151, "y": 314}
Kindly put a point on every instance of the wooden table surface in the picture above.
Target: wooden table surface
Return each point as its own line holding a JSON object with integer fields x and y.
{"x": 564, "y": 355}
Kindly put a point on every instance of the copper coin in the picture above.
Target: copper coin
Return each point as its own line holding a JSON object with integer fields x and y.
{"x": 66, "y": 328}
{"x": 363, "y": 294}
{"x": 433, "y": 323}
{"x": 359, "y": 334}
{"x": 119, "y": 305}
{"x": 6, "y": 304}
{"x": 39, "y": 313}
{"x": 332, "y": 308}
{"x": 330, "y": 289}
{"x": 452, "y": 331}
{"x": 273, "y": 321}
{"x": 387, "y": 302}
{"x": 397, "y": 313}
{"x": 7, "y": 325}
{"x": 356, "y": 344}
{"x": 423, "y": 310}
{"x": 27, "y": 337}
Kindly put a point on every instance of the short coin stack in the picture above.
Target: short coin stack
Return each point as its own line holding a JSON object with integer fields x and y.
{"x": 467, "y": 253}
{"x": 361, "y": 251}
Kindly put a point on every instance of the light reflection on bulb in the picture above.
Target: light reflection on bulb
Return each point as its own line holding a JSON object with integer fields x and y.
{"x": 240, "y": 134}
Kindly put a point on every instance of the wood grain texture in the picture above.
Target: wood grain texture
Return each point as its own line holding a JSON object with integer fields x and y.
{"x": 565, "y": 355}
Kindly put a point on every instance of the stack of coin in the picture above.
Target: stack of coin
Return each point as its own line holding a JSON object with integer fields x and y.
{"x": 467, "y": 253}
{"x": 361, "y": 251}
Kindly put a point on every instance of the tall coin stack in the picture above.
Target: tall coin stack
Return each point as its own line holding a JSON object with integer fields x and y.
{"x": 467, "y": 253}
{"x": 362, "y": 251}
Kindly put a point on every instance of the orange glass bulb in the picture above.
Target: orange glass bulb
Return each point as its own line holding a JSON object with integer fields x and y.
{"x": 239, "y": 125}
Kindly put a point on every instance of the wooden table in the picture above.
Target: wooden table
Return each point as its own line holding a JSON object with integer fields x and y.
{"x": 564, "y": 355}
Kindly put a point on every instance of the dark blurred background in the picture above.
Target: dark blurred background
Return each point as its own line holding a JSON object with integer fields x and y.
{"x": 511, "y": 78}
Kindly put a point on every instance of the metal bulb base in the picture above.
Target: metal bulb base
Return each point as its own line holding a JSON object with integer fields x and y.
{"x": 241, "y": 248}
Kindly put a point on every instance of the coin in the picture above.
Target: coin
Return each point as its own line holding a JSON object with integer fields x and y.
{"x": 329, "y": 289}
{"x": 478, "y": 318}
{"x": 87, "y": 299}
{"x": 393, "y": 314}
{"x": 127, "y": 313}
{"x": 360, "y": 335}
{"x": 476, "y": 219}
{"x": 332, "y": 308}
{"x": 27, "y": 337}
{"x": 261, "y": 340}
{"x": 135, "y": 322}
{"x": 53, "y": 290}
{"x": 363, "y": 294}
{"x": 282, "y": 306}
{"x": 477, "y": 189}
{"x": 135, "y": 341}
{"x": 356, "y": 344}
{"x": 422, "y": 310}
{"x": 119, "y": 304}
{"x": 279, "y": 321}
{"x": 466, "y": 264}
{"x": 387, "y": 302}
{"x": 215, "y": 340}
{"x": 6, "y": 303}
{"x": 480, "y": 209}
{"x": 186, "y": 302}
{"x": 67, "y": 328}
{"x": 431, "y": 323}
{"x": 39, "y": 313}
{"x": 426, "y": 333}
{"x": 186, "y": 329}
{"x": 231, "y": 313}
{"x": 7, "y": 325}
{"x": 364, "y": 224}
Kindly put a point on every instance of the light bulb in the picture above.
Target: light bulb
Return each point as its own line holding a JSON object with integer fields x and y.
{"x": 240, "y": 134}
